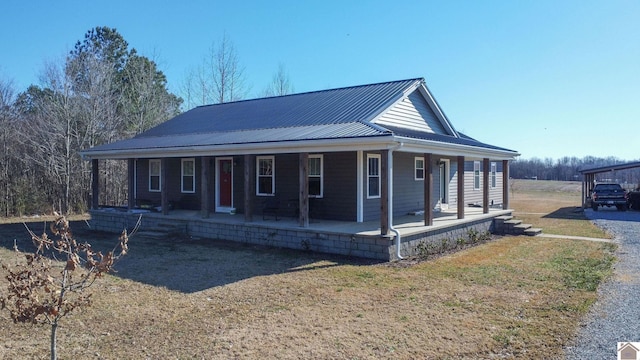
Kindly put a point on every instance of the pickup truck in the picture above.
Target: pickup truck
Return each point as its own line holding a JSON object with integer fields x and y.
{"x": 608, "y": 194}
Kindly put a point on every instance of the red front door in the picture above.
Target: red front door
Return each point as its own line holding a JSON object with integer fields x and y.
{"x": 225, "y": 181}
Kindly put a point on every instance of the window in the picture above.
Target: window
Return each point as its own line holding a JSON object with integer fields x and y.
{"x": 315, "y": 176}
{"x": 494, "y": 170}
{"x": 188, "y": 175}
{"x": 155, "y": 168}
{"x": 419, "y": 169}
{"x": 266, "y": 182}
{"x": 476, "y": 175}
{"x": 373, "y": 176}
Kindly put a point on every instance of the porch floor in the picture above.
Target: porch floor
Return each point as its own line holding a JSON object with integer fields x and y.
{"x": 406, "y": 224}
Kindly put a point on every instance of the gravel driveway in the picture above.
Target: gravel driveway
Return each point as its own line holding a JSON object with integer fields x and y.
{"x": 615, "y": 317}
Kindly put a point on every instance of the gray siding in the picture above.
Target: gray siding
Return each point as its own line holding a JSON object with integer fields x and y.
{"x": 413, "y": 113}
{"x": 175, "y": 196}
{"x": 474, "y": 196}
{"x": 339, "y": 192}
{"x": 408, "y": 193}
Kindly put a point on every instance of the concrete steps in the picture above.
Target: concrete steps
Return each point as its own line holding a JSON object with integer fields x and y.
{"x": 164, "y": 231}
{"x": 507, "y": 225}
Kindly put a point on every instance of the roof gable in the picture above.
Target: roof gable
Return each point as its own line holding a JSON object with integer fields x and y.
{"x": 415, "y": 113}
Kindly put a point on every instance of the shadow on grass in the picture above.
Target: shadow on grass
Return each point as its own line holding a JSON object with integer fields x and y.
{"x": 184, "y": 264}
{"x": 567, "y": 213}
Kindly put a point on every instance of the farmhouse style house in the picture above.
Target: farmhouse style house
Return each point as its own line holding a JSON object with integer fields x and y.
{"x": 356, "y": 154}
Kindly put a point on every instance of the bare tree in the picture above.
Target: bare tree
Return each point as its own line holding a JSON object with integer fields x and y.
{"x": 7, "y": 142}
{"x": 219, "y": 79}
{"x": 280, "y": 83}
{"x": 43, "y": 291}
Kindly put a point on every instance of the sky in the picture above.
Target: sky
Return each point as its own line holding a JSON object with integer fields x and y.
{"x": 547, "y": 78}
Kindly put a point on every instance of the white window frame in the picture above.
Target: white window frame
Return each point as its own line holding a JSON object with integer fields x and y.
{"x": 320, "y": 176}
{"x": 183, "y": 175}
{"x": 159, "y": 175}
{"x": 494, "y": 176}
{"x": 272, "y": 175}
{"x": 370, "y": 176}
{"x": 476, "y": 175}
{"x": 416, "y": 168}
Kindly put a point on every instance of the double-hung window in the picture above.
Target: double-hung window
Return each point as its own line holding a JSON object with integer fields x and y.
{"x": 315, "y": 176}
{"x": 266, "y": 175}
{"x": 373, "y": 176}
{"x": 419, "y": 168}
{"x": 494, "y": 171}
{"x": 188, "y": 175}
{"x": 155, "y": 168}
{"x": 476, "y": 175}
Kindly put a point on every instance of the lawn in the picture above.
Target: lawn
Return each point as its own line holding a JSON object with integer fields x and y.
{"x": 512, "y": 297}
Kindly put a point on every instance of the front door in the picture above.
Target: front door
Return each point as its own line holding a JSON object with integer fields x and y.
{"x": 224, "y": 184}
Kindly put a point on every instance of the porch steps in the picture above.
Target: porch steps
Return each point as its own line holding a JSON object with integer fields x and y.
{"x": 164, "y": 231}
{"x": 507, "y": 225}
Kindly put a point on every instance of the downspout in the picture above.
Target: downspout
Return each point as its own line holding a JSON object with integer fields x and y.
{"x": 390, "y": 192}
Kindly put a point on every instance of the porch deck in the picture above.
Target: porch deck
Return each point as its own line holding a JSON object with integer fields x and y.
{"x": 338, "y": 237}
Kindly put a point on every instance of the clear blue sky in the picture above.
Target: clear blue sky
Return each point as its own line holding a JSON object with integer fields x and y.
{"x": 548, "y": 78}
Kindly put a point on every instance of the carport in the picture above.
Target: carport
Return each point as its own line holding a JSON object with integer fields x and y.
{"x": 589, "y": 176}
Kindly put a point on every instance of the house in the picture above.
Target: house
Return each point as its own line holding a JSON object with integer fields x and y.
{"x": 355, "y": 154}
{"x": 627, "y": 351}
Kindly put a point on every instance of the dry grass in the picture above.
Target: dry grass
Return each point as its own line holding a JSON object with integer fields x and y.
{"x": 554, "y": 206}
{"x": 514, "y": 297}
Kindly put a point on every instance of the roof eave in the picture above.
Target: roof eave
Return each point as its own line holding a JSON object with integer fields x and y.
{"x": 449, "y": 149}
{"x": 294, "y": 146}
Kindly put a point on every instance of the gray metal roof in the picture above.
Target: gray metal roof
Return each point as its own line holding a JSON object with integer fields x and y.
{"x": 314, "y": 132}
{"x": 335, "y": 106}
{"x": 319, "y": 116}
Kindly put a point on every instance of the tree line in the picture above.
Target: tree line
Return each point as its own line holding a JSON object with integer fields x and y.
{"x": 568, "y": 169}
{"x": 102, "y": 91}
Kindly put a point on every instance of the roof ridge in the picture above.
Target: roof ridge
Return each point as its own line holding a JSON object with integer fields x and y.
{"x": 312, "y": 92}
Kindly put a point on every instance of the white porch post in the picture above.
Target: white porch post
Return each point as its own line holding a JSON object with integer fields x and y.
{"x": 485, "y": 185}
{"x": 460, "y": 187}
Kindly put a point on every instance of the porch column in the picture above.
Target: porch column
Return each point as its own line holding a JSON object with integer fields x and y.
{"x": 384, "y": 193}
{"x": 485, "y": 186}
{"x": 95, "y": 188}
{"x": 303, "y": 198}
{"x": 505, "y": 184}
{"x": 249, "y": 161}
{"x": 205, "y": 186}
{"x": 428, "y": 189}
{"x": 164, "y": 202}
{"x": 460, "y": 187}
{"x": 131, "y": 171}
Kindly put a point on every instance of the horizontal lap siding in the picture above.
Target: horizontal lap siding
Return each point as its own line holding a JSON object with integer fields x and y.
{"x": 413, "y": 112}
{"x": 174, "y": 185}
{"x": 474, "y": 196}
{"x": 340, "y": 187}
{"x": 408, "y": 193}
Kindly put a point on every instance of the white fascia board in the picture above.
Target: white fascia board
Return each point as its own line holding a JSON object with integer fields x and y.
{"x": 329, "y": 145}
{"x": 447, "y": 149}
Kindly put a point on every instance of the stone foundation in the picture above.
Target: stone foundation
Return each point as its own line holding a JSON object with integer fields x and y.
{"x": 347, "y": 244}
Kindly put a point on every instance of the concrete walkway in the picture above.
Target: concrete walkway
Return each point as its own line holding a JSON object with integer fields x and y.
{"x": 553, "y": 236}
